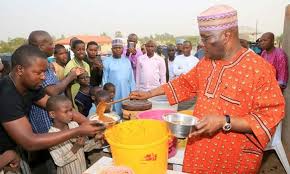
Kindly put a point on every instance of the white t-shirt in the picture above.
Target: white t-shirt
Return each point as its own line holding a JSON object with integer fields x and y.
{"x": 183, "y": 64}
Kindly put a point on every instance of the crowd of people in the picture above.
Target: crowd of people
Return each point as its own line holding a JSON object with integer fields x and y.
{"x": 45, "y": 104}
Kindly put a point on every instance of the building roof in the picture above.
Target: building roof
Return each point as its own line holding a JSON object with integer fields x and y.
{"x": 87, "y": 38}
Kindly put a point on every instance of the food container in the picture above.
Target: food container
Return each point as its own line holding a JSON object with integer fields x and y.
{"x": 131, "y": 108}
{"x": 180, "y": 125}
{"x": 112, "y": 115}
{"x": 157, "y": 114}
{"x": 141, "y": 145}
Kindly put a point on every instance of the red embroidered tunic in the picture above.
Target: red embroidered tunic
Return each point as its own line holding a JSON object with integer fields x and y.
{"x": 244, "y": 86}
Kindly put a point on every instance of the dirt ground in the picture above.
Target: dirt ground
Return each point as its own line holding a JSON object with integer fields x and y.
{"x": 271, "y": 164}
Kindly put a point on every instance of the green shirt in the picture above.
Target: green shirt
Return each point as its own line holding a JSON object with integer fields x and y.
{"x": 75, "y": 87}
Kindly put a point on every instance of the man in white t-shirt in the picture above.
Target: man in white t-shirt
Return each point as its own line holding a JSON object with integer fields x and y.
{"x": 185, "y": 62}
{"x": 181, "y": 65}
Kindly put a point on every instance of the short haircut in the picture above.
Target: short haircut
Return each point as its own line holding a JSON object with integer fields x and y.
{"x": 26, "y": 54}
{"x": 108, "y": 85}
{"x": 171, "y": 46}
{"x": 187, "y": 42}
{"x": 37, "y": 37}
{"x": 54, "y": 101}
{"x": 133, "y": 35}
{"x": 150, "y": 41}
{"x": 72, "y": 40}
{"x": 95, "y": 90}
{"x": 92, "y": 43}
{"x": 76, "y": 42}
{"x": 58, "y": 47}
{"x": 102, "y": 94}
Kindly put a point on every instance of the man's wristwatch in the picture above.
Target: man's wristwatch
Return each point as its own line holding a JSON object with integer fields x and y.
{"x": 227, "y": 126}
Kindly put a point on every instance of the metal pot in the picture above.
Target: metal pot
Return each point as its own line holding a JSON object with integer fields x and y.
{"x": 180, "y": 125}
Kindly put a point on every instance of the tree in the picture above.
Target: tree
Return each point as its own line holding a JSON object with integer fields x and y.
{"x": 118, "y": 34}
{"x": 103, "y": 34}
{"x": 11, "y": 45}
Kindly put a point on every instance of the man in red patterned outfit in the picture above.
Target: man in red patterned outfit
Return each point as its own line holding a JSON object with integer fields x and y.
{"x": 239, "y": 102}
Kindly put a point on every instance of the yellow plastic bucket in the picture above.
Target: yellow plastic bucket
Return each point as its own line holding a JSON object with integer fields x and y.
{"x": 140, "y": 144}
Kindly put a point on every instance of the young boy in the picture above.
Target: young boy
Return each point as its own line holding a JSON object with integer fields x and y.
{"x": 118, "y": 70}
{"x": 93, "y": 92}
{"x": 83, "y": 98}
{"x": 68, "y": 156}
{"x": 101, "y": 95}
{"x": 95, "y": 62}
{"x": 60, "y": 55}
{"x": 78, "y": 48}
{"x": 9, "y": 161}
{"x": 110, "y": 87}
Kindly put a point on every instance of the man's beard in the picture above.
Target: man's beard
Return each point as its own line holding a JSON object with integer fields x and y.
{"x": 215, "y": 56}
{"x": 218, "y": 55}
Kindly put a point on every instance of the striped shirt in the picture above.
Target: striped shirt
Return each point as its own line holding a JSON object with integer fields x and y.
{"x": 68, "y": 162}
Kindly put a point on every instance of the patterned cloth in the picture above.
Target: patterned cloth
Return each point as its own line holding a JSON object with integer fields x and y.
{"x": 150, "y": 72}
{"x": 68, "y": 162}
{"x": 218, "y": 17}
{"x": 244, "y": 86}
{"x": 38, "y": 117}
{"x": 117, "y": 42}
{"x": 279, "y": 60}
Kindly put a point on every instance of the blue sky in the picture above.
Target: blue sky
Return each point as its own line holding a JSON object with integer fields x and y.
{"x": 144, "y": 17}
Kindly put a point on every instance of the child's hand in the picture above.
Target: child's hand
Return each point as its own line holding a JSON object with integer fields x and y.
{"x": 80, "y": 141}
{"x": 99, "y": 136}
{"x": 98, "y": 65}
{"x": 14, "y": 161}
{"x": 76, "y": 71}
{"x": 15, "y": 164}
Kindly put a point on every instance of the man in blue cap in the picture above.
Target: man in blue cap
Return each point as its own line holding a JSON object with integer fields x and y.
{"x": 179, "y": 47}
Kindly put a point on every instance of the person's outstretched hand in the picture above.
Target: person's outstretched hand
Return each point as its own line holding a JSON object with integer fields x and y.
{"x": 139, "y": 95}
{"x": 91, "y": 128}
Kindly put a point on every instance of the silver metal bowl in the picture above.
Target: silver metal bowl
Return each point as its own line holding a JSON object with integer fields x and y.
{"x": 180, "y": 125}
